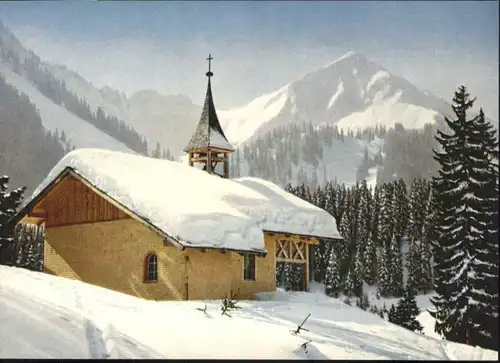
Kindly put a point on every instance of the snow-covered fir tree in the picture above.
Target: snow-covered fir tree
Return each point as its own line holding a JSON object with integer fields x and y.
{"x": 387, "y": 214}
{"x": 418, "y": 257}
{"x": 370, "y": 250}
{"x": 354, "y": 279}
{"x": 426, "y": 277}
{"x": 375, "y": 217}
{"x": 393, "y": 316}
{"x": 370, "y": 261}
{"x": 407, "y": 311}
{"x": 395, "y": 267}
{"x": 484, "y": 205}
{"x": 373, "y": 242}
{"x": 364, "y": 214}
{"x": 413, "y": 264}
{"x": 466, "y": 257}
{"x": 288, "y": 276}
{"x": 27, "y": 247}
{"x": 400, "y": 207}
{"x": 332, "y": 275}
{"x": 9, "y": 202}
{"x": 383, "y": 272}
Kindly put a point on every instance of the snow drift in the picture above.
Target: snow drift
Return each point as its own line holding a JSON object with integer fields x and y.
{"x": 43, "y": 316}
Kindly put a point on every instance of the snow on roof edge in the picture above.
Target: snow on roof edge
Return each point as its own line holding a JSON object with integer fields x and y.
{"x": 104, "y": 170}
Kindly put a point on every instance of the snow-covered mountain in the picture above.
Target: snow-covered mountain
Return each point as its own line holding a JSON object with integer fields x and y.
{"x": 167, "y": 119}
{"x": 351, "y": 92}
{"x": 54, "y": 117}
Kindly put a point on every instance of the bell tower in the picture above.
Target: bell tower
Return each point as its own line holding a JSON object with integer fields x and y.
{"x": 208, "y": 145}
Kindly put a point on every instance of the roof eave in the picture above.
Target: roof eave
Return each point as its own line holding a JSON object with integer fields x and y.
{"x": 304, "y": 235}
{"x": 259, "y": 253}
{"x": 28, "y": 206}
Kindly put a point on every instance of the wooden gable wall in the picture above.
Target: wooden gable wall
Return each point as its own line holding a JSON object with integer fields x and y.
{"x": 72, "y": 202}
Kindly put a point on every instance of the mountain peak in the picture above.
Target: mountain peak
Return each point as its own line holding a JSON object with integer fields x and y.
{"x": 351, "y": 56}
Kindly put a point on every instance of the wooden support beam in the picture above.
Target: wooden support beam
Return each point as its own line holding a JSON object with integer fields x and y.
{"x": 191, "y": 159}
{"x": 209, "y": 161}
{"x": 212, "y": 148}
{"x": 226, "y": 168}
{"x": 279, "y": 259}
{"x": 204, "y": 158}
{"x": 307, "y": 265}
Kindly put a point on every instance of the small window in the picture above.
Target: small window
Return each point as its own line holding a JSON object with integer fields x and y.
{"x": 151, "y": 268}
{"x": 249, "y": 268}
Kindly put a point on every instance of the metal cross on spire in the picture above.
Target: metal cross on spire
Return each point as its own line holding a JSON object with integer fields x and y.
{"x": 209, "y": 73}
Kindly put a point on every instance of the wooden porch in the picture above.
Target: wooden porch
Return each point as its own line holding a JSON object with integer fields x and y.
{"x": 294, "y": 249}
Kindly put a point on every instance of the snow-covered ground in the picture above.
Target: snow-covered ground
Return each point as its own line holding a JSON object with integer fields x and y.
{"x": 43, "y": 316}
{"x": 423, "y": 302}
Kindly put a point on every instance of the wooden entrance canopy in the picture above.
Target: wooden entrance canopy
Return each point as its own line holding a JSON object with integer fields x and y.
{"x": 292, "y": 248}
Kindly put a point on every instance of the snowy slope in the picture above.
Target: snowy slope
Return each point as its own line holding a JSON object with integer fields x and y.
{"x": 174, "y": 198}
{"x": 340, "y": 162}
{"x": 423, "y": 303}
{"x": 61, "y": 318}
{"x": 112, "y": 102}
{"x": 167, "y": 119}
{"x": 54, "y": 117}
{"x": 352, "y": 91}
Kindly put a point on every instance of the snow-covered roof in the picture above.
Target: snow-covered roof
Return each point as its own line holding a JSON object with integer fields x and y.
{"x": 208, "y": 132}
{"x": 196, "y": 208}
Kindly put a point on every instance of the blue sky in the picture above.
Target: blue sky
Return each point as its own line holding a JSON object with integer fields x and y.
{"x": 259, "y": 46}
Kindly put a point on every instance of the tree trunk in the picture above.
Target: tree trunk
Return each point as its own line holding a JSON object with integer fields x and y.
{"x": 468, "y": 336}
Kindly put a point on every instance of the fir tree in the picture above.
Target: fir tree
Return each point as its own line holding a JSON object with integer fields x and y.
{"x": 464, "y": 251}
{"x": 28, "y": 247}
{"x": 330, "y": 201}
{"x": 332, "y": 275}
{"x": 483, "y": 182}
{"x": 297, "y": 276}
{"x": 383, "y": 272}
{"x": 319, "y": 199}
{"x": 370, "y": 261}
{"x": 393, "y": 316}
{"x": 395, "y": 267}
{"x": 418, "y": 261}
{"x": 375, "y": 219}
{"x": 9, "y": 202}
{"x": 364, "y": 215}
{"x": 401, "y": 212}
{"x": 288, "y": 276}
{"x": 407, "y": 311}
{"x": 387, "y": 214}
{"x": 428, "y": 227}
{"x": 413, "y": 264}
{"x": 370, "y": 256}
{"x": 354, "y": 282}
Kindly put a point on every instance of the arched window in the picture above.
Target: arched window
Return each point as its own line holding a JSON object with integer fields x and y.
{"x": 151, "y": 268}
